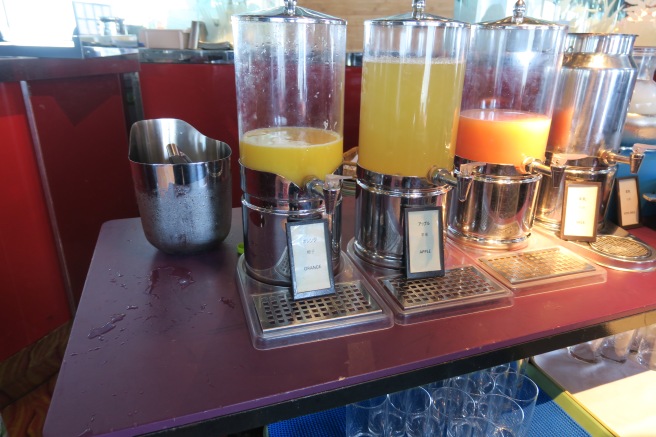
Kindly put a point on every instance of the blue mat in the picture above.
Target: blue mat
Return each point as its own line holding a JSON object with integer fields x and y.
{"x": 549, "y": 420}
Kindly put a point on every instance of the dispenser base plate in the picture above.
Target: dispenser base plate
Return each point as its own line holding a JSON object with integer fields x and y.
{"x": 275, "y": 319}
{"x": 464, "y": 288}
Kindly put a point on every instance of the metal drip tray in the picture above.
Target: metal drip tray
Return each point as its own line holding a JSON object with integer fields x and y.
{"x": 274, "y": 319}
{"x": 617, "y": 249}
{"x": 457, "y": 286}
{"x": 535, "y": 265}
{"x": 278, "y": 311}
{"x": 622, "y": 247}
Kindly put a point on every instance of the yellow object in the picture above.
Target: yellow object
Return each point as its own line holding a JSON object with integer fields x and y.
{"x": 292, "y": 152}
{"x": 408, "y": 116}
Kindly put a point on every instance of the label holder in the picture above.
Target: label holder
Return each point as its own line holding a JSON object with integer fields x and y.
{"x": 580, "y": 224}
{"x": 424, "y": 242}
{"x": 308, "y": 243}
{"x": 628, "y": 202}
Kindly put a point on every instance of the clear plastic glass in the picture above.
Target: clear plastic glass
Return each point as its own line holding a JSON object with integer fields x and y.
{"x": 511, "y": 76}
{"x": 643, "y": 101}
{"x": 412, "y": 77}
{"x": 290, "y": 93}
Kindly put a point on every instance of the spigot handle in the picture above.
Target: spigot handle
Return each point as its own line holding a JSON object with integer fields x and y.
{"x": 641, "y": 148}
{"x": 290, "y": 7}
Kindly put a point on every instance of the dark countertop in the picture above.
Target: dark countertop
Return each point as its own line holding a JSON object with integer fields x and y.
{"x": 98, "y": 62}
{"x": 179, "y": 352}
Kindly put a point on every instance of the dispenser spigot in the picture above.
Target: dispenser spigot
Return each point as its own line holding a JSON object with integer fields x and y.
{"x": 462, "y": 182}
{"x": 634, "y": 160}
{"x": 556, "y": 170}
{"x": 330, "y": 190}
{"x": 290, "y": 7}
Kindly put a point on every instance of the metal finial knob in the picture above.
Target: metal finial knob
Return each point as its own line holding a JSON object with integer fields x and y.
{"x": 290, "y": 7}
{"x": 519, "y": 11}
{"x": 418, "y": 7}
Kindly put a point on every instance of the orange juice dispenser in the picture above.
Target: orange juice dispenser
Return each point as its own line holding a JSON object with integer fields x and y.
{"x": 289, "y": 67}
{"x": 510, "y": 80}
{"x": 412, "y": 75}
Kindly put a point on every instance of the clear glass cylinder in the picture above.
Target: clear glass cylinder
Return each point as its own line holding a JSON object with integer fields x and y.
{"x": 412, "y": 75}
{"x": 643, "y": 101}
{"x": 594, "y": 90}
{"x": 511, "y": 76}
{"x": 289, "y": 67}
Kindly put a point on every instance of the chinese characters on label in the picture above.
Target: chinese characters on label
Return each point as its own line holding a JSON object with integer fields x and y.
{"x": 424, "y": 250}
{"x": 309, "y": 248}
{"x": 580, "y": 211}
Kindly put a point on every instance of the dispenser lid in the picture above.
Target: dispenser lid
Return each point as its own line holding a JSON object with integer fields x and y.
{"x": 289, "y": 13}
{"x": 520, "y": 21}
{"x": 416, "y": 18}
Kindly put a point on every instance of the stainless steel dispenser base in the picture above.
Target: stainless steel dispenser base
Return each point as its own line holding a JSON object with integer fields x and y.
{"x": 380, "y": 203}
{"x": 275, "y": 320}
{"x": 493, "y": 207}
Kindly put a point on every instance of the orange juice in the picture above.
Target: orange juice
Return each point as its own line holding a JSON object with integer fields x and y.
{"x": 502, "y": 136}
{"x": 292, "y": 152}
{"x": 408, "y": 115}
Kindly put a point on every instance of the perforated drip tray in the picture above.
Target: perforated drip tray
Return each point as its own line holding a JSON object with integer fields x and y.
{"x": 457, "y": 286}
{"x": 617, "y": 249}
{"x": 546, "y": 269}
{"x": 276, "y": 320}
{"x": 463, "y": 289}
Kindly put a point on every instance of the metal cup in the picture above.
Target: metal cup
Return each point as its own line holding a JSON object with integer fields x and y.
{"x": 183, "y": 185}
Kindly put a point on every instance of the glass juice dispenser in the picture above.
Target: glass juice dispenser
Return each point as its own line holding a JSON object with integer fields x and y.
{"x": 592, "y": 99}
{"x": 511, "y": 76}
{"x": 412, "y": 75}
{"x": 289, "y": 67}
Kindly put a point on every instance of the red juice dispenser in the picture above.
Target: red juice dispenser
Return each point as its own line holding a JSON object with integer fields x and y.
{"x": 510, "y": 80}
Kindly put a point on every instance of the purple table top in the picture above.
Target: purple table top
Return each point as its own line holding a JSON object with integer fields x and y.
{"x": 161, "y": 341}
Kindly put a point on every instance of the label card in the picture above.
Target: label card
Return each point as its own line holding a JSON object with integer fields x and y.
{"x": 424, "y": 237}
{"x": 580, "y": 211}
{"x": 628, "y": 202}
{"x": 309, "y": 257}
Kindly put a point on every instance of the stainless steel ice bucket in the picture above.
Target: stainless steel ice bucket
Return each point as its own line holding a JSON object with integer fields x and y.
{"x": 183, "y": 185}
{"x": 550, "y": 205}
{"x": 492, "y": 207}
{"x": 379, "y": 214}
{"x": 268, "y": 203}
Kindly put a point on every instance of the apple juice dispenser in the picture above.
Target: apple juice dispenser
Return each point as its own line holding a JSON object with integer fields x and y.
{"x": 289, "y": 67}
{"x": 510, "y": 80}
{"x": 412, "y": 74}
{"x": 592, "y": 99}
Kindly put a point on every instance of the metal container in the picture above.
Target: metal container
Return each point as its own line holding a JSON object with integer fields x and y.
{"x": 408, "y": 120}
{"x": 493, "y": 206}
{"x": 182, "y": 182}
{"x": 594, "y": 90}
{"x": 290, "y": 68}
{"x": 593, "y": 95}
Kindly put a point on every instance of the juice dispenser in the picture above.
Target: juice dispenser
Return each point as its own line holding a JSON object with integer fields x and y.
{"x": 511, "y": 76}
{"x": 412, "y": 75}
{"x": 592, "y": 99}
{"x": 289, "y": 66}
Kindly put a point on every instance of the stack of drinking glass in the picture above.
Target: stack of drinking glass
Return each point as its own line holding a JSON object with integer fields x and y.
{"x": 619, "y": 347}
{"x": 494, "y": 402}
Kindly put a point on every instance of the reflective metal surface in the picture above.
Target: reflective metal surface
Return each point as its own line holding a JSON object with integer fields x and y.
{"x": 379, "y": 213}
{"x": 268, "y": 203}
{"x": 184, "y": 207}
{"x": 550, "y": 204}
{"x": 498, "y": 210}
